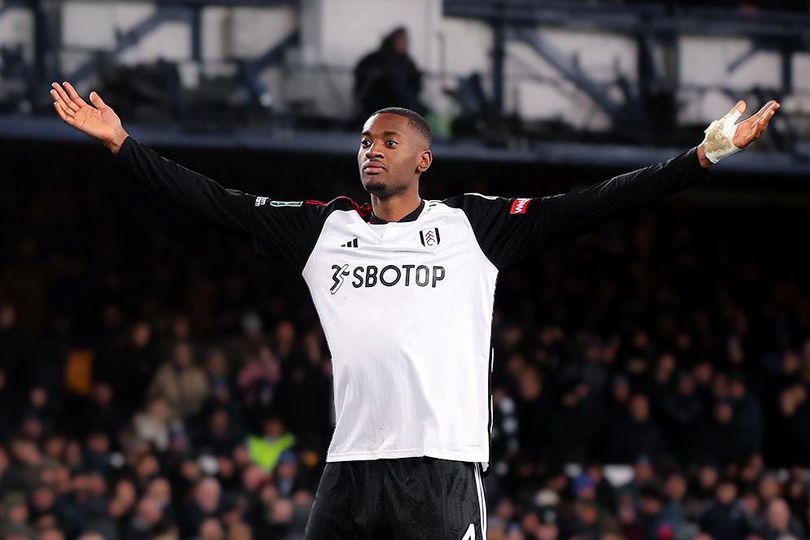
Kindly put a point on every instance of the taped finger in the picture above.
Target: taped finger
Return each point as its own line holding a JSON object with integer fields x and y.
{"x": 736, "y": 112}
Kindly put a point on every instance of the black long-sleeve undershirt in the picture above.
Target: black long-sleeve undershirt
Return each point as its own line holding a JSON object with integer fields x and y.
{"x": 504, "y": 235}
{"x": 228, "y": 209}
{"x": 507, "y": 235}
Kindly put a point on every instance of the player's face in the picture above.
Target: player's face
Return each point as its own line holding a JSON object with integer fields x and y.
{"x": 392, "y": 155}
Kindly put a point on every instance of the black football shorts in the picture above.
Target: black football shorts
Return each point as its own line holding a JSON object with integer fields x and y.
{"x": 419, "y": 498}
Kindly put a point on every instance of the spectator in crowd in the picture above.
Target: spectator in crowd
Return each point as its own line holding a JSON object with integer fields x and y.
{"x": 571, "y": 428}
{"x": 205, "y": 505}
{"x": 780, "y": 523}
{"x": 260, "y": 381}
{"x": 532, "y": 410}
{"x": 181, "y": 383}
{"x": 146, "y": 522}
{"x": 747, "y": 413}
{"x": 101, "y": 413}
{"x": 637, "y": 436}
{"x": 129, "y": 365}
{"x": 151, "y": 427}
{"x": 724, "y": 519}
{"x": 721, "y": 439}
{"x": 682, "y": 410}
{"x": 388, "y": 77}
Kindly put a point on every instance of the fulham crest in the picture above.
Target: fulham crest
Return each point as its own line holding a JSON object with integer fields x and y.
{"x": 430, "y": 237}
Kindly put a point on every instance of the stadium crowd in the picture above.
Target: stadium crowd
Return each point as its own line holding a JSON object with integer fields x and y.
{"x": 156, "y": 381}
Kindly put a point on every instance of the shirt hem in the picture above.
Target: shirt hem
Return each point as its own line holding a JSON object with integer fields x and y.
{"x": 475, "y": 457}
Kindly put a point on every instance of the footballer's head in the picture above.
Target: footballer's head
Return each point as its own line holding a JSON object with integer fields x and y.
{"x": 394, "y": 151}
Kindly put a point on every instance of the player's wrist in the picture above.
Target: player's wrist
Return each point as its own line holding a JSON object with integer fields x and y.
{"x": 705, "y": 162}
{"x": 114, "y": 142}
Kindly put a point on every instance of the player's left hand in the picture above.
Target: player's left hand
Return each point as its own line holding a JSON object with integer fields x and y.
{"x": 726, "y": 137}
{"x": 750, "y": 130}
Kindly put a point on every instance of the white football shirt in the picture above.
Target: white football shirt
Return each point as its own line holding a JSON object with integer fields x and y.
{"x": 406, "y": 309}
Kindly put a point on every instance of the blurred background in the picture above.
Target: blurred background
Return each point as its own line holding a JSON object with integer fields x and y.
{"x": 157, "y": 380}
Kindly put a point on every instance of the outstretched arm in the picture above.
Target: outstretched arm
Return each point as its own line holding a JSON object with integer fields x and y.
{"x": 288, "y": 228}
{"x": 579, "y": 211}
{"x": 508, "y": 229}
{"x": 225, "y": 208}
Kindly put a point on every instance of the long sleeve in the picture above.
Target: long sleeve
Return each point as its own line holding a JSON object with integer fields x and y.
{"x": 577, "y": 212}
{"x": 509, "y": 229}
{"x": 227, "y": 209}
{"x": 288, "y": 228}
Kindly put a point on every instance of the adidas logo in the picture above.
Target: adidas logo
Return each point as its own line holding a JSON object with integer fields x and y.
{"x": 350, "y": 244}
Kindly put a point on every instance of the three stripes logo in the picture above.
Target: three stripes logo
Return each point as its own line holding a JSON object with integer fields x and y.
{"x": 350, "y": 244}
{"x": 430, "y": 237}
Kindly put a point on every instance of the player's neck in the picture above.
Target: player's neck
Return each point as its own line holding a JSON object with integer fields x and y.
{"x": 397, "y": 207}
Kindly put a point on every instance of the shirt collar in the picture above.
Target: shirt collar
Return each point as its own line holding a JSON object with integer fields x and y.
{"x": 410, "y": 217}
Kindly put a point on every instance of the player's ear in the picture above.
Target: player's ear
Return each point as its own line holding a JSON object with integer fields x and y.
{"x": 425, "y": 160}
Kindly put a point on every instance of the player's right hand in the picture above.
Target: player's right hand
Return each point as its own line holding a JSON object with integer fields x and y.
{"x": 97, "y": 120}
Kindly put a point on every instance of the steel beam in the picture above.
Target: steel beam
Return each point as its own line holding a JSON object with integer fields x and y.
{"x": 570, "y": 70}
{"x": 131, "y": 37}
{"x": 251, "y": 70}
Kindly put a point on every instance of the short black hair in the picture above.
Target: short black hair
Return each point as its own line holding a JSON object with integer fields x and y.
{"x": 414, "y": 119}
